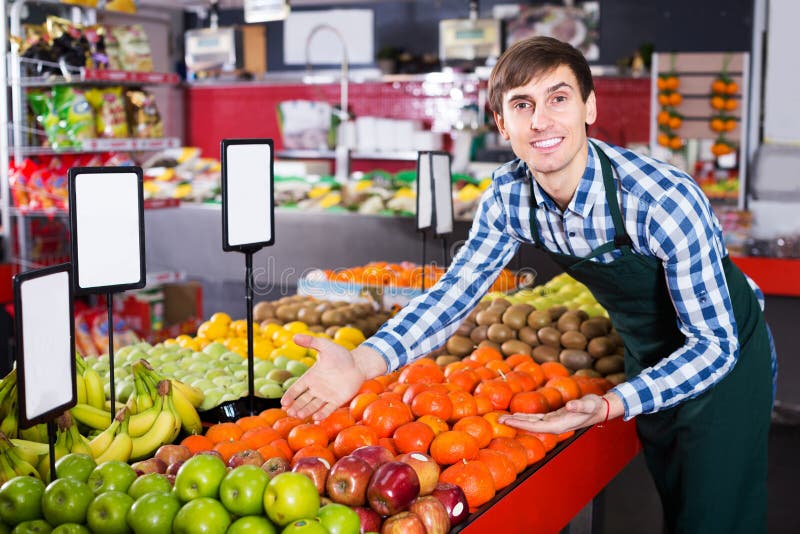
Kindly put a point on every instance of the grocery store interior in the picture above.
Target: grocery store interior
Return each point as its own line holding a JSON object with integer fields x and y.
{"x": 353, "y": 102}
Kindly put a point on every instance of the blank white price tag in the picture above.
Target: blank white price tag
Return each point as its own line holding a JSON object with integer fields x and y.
{"x": 106, "y": 206}
{"x": 442, "y": 192}
{"x": 247, "y": 194}
{"x": 424, "y": 192}
{"x": 46, "y": 366}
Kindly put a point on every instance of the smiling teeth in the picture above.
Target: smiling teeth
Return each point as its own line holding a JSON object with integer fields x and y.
{"x": 547, "y": 143}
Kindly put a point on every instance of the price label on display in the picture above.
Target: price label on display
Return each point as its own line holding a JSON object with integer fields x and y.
{"x": 434, "y": 192}
{"x": 265, "y": 10}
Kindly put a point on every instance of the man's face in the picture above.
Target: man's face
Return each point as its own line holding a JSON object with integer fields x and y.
{"x": 545, "y": 120}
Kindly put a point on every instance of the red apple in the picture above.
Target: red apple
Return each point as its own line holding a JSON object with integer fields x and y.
{"x": 370, "y": 520}
{"x": 374, "y": 455}
{"x": 426, "y": 467}
{"x": 403, "y": 523}
{"x": 211, "y": 452}
{"x": 316, "y": 469}
{"x": 392, "y": 488}
{"x": 432, "y": 513}
{"x": 454, "y": 501}
{"x": 348, "y": 481}
{"x": 172, "y": 469}
{"x": 246, "y": 457}
{"x": 151, "y": 465}
{"x": 171, "y": 479}
{"x": 172, "y": 453}
{"x": 275, "y": 466}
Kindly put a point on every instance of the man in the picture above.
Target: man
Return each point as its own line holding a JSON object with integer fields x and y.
{"x": 641, "y": 235}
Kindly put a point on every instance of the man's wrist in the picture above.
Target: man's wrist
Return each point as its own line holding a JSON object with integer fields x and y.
{"x": 369, "y": 361}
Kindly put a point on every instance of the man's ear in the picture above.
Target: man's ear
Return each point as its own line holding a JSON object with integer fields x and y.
{"x": 591, "y": 109}
{"x": 501, "y": 125}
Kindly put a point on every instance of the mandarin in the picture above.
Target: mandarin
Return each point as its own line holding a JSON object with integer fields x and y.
{"x": 513, "y": 450}
{"x": 533, "y": 447}
{"x": 498, "y": 391}
{"x": 499, "y": 430}
{"x": 385, "y": 415}
{"x": 453, "y": 446}
{"x": 474, "y": 478}
{"x": 552, "y": 369}
{"x": 413, "y": 437}
{"x": 529, "y": 402}
{"x": 477, "y": 427}
{"x": 307, "y": 434}
{"x": 353, "y": 437}
{"x": 437, "y": 424}
{"x": 501, "y": 468}
{"x": 463, "y": 405}
{"x": 258, "y": 437}
{"x": 432, "y": 403}
{"x": 314, "y": 451}
{"x": 224, "y": 432}
{"x": 565, "y": 385}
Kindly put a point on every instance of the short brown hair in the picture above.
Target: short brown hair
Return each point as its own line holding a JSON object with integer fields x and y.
{"x": 531, "y": 57}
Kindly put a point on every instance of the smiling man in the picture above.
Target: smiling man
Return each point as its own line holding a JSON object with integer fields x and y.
{"x": 641, "y": 235}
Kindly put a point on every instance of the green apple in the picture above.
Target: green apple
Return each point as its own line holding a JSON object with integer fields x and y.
{"x": 289, "y": 381}
{"x": 290, "y": 496}
{"x": 262, "y": 367}
{"x": 199, "y": 476}
{"x": 153, "y": 513}
{"x": 296, "y": 368}
{"x": 240, "y": 374}
{"x": 203, "y": 384}
{"x": 65, "y": 500}
{"x": 230, "y": 396}
{"x": 339, "y": 519}
{"x": 214, "y": 373}
{"x": 280, "y": 361}
{"x": 21, "y": 499}
{"x": 35, "y": 526}
{"x": 168, "y": 368}
{"x": 75, "y": 465}
{"x": 149, "y": 483}
{"x": 201, "y": 515}
{"x": 270, "y": 390}
{"x": 223, "y": 381}
{"x": 242, "y": 490}
{"x": 213, "y": 397}
{"x": 230, "y": 357}
{"x": 215, "y": 349}
{"x": 305, "y": 526}
{"x": 279, "y": 375}
{"x": 107, "y": 512}
{"x": 111, "y": 475}
{"x": 252, "y": 524}
{"x": 199, "y": 368}
{"x": 70, "y": 528}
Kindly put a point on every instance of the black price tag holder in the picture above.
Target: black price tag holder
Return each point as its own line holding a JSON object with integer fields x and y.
{"x": 106, "y": 215}
{"x": 434, "y": 201}
{"x": 45, "y": 348}
{"x": 248, "y": 216}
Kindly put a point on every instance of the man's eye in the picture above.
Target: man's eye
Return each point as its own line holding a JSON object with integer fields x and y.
{"x": 522, "y": 105}
{"x": 559, "y": 98}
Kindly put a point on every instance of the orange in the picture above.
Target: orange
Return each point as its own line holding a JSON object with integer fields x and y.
{"x": 463, "y": 405}
{"x": 421, "y": 374}
{"x": 385, "y": 415}
{"x": 283, "y": 447}
{"x": 474, "y": 478}
{"x": 529, "y": 402}
{"x": 501, "y": 468}
{"x": 224, "y": 432}
{"x": 229, "y": 448}
{"x": 587, "y": 386}
{"x": 513, "y": 450}
{"x": 256, "y": 438}
{"x": 477, "y": 427}
{"x": 387, "y": 379}
{"x": 484, "y": 373}
{"x": 486, "y": 354}
{"x": 397, "y": 387}
{"x": 499, "y": 430}
{"x": 499, "y": 366}
{"x": 453, "y": 446}
{"x": 432, "y": 403}
{"x": 353, "y": 437}
{"x": 312, "y": 451}
{"x": 413, "y": 437}
{"x": 515, "y": 359}
{"x": 412, "y": 391}
{"x": 533, "y": 447}
{"x": 437, "y": 424}
{"x": 391, "y": 395}
{"x": 197, "y": 443}
{"x": 339, "y": 419}
{"x": 552, "y": 369}
{"x": 520, "y": 381}
{"x": 565, "y": 435}
{"x": 553, "y": 396}
{"x": 307, "y": 434}
{"x": 388, "y": 444}
{"x": 251, "y": 421}
{"x": 565, "y": 385}
{"x": 451, "y": 368}
{"x": 498, "y": 391}
{"x": 285, "y": 424}
{"x": 360, "y": 402}
{"x": 548, "y": 440}
{"x": 372, "y": 386}
{"x": 483, "y": 404}
{"x": 465, "y": 379}
{"x": 271, "y": 415}
{"x": 534, "y": 370}
{"x": 269, "y": 451}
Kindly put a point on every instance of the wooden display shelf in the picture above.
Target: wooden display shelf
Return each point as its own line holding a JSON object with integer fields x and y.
{"x": 546, "y": 497}
{"x": 775, "y": 276}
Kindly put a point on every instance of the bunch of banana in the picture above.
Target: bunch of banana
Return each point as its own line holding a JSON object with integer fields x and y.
{"x": 156, "y": 426}
{"x": 12, "y": 464}
{"x": 185, "y": 398}
{"x": 113, "y": 443}
{"x": 68, "y": 440}
{"x": 9, "y": 422}
{"x": 89, "y": 385}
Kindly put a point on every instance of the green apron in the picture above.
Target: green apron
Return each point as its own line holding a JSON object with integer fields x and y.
{"x": 707, "y": 455}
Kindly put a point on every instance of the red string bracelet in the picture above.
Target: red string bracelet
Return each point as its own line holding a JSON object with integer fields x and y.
{"x": 608, "y": 410}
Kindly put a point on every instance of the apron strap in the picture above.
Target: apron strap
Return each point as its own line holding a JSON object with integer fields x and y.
{"x": 622, "y": 240}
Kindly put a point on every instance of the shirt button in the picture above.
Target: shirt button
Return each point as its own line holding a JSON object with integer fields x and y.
{"x": 572, "y": 234}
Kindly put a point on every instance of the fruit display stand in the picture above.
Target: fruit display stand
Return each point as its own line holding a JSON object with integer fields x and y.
{"x": 549, "y": 495}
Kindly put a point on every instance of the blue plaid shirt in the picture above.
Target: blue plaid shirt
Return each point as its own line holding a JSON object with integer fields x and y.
{"x": 666, "y": 215}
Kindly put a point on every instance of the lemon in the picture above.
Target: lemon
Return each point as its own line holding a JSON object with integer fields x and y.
{"x": 281, "y": 337}
{"x": 344, "y": 343}
{"x": 202, "y": 341}
{"x": 237, "y": 345}
{"x": 268, "y": 330}
{"x": 296, "y": 327}
{"x": 349, "y": 334}
{"x": 221, "y": 317}
{"x": 170, "y": 342}
{"x": 261, "y": 348}
{"x": 293, "y": 351}
{"x": 212, "y": 330}
{"x": 191, "y": 344}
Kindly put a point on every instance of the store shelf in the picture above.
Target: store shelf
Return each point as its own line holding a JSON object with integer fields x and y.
{"x": 106, "y": 145}
{"x": 102, "y": 77}
{"x": 330, "y": 154}
{"x": 546, "y": 497}
{"x": 775, "y": 276}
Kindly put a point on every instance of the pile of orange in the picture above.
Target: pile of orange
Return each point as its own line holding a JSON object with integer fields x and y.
{"x": 451, "y": 413}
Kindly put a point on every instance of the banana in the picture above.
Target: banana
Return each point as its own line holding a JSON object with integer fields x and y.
{"x": 102, "y": 441}
{"x": 158, "y": 434}
{"x": 95, "y": 393}
{"x": 119, "y": 449}
{"x": 192, "y": 394}
{"x": 90, "y": 416}
{"x": 176, "y": 429}
{"x": 33, "y": 433}
{"x": 186, "y": 412}
{"x": 10, "y": 424}
{"x": 80, "y": 387}
{"x": 20, "y": 465}
{"x": 30, "y": 451}
{"x": 6, "y": 469}
{"x": 141, "y": 422}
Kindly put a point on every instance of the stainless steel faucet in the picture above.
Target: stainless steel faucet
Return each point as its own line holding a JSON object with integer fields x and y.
{"x": 342, "y": 151}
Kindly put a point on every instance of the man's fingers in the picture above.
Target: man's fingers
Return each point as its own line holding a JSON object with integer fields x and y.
{"x": 325, "y": 411}
{"x": 310, "y": 408}
{"x": 294, "y": 391}
{"x": 311, "y": 342}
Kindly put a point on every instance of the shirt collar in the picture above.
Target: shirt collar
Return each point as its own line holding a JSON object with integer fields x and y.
{"x": 589, "y": 187}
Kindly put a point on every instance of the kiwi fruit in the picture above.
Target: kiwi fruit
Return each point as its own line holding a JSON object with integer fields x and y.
{"x": 331, "y": 330}
{"x": 570, "y": 320}
{"x": 477, "y": 309}
{"x": 465, "y": 328}
{"x": 544, "y": 353}
{"x": 499, "y": 333}
{"x": 515, "y": 346}
{"x": 316, "y": 328}
{"x": 609, "y": 365}
{"x": 616, "y": 338}
{"x": 616, "y": 378}
{"x": 590, "y": 373}
{"x": 272, "y": 320}
{"x": 549, "y": 336}
{"x": 459, "y": 345}
{"x": 445, "y": 359}
{"x": 478, "y": 333}
{"x": 308, "y": 315}
{"x": 600, "y": 346}
{"x": 556, "y": 311}
{"x": 331, "y": 317}
{"x": 539, "y": 319}
{"x": 575, "y": 359}
{"x": 595, "y": 327}
{"x": 572, "y": 339}
{"x": 263, "y": 310}
{"x": 500, "y": 303}
{"x": 515, "y": 317}
{"x": 488, "y": 317}
{"x": 487, "y": 343}
{"x": 286, "y": 312}
{"x": 528, "y": 335}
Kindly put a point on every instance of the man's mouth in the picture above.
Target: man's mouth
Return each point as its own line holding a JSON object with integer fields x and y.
{"x": 547, "y": 143}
